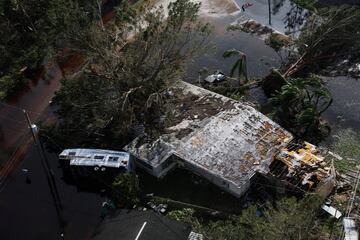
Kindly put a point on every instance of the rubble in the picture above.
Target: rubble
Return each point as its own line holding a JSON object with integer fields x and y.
{"x": 332, "y": 211}
{"x": 228, "y": 142}
{"x": 304, "y": 167}
{"x": 221, "y": 139}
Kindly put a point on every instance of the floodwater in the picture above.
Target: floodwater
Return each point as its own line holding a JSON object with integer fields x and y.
{"x": 259, "y": 11}
{"x": 260, "y": 57}
{"x": 26, "y": 209}
{"x": 345, "y": 109}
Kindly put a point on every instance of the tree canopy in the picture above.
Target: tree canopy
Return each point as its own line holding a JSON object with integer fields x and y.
{"x": 329, "y": 35}
{"x": 32, "y": 30}
{"x": 299, "y": 105}
{"x": 287, "y": 218}
{"x": 129, "y": 62}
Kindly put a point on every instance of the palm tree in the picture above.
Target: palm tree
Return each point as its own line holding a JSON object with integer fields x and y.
{"x": 299, "y": 105}
{"x": 240, "y": 64}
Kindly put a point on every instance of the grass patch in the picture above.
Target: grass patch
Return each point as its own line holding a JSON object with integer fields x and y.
{"x": 348, "y": 147}
{"x": 308, "y": 4}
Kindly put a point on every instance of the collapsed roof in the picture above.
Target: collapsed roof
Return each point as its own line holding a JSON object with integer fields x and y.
{"x": 303, "y": 166}
{"x": 222, "y": 137}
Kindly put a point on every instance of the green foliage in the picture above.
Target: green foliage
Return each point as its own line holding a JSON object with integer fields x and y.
{"x": 273, "y": 82}
{"x": 308, "y": 4}
{"x": 7, "y": 84}
{"x": 228, "y": 90}
{"x": 288, "y": 218}
{"x": 126, "y": 188}
{"x": 299, "y": 105}
{"x": 277, "y": 42}
{"x": 239, "y": 65}
{"x": 183, "y": 215}
{"x": 331, "y": 34}
{"x": 292, "y": 219}
{"x": 348, "y": 147}
{"x": 32, "y": 30}
{"x": 122, "y": 82}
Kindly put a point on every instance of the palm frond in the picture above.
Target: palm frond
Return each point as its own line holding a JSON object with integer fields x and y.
{"x": 230, "y": 53}
{"x": 234, "y": 67}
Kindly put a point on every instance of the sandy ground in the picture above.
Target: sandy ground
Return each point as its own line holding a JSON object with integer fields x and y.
{"x": 210, "y": 7}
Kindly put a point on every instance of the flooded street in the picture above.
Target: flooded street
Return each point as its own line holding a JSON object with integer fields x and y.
{"x": 27, "y": 210}
{"x": 260, "y": 57}
{"x": 260, "y": 9}
{"x": 345, "y": 110}
{"x": 34, "y": 97}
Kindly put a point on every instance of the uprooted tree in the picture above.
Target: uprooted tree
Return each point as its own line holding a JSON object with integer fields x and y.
{"x": 331, "y": 34}
{"x": 128, "y": 63}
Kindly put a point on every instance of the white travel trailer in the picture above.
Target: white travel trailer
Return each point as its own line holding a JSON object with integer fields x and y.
{"x": 96, "y": 160}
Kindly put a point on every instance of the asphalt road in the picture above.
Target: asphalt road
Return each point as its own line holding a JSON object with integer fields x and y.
{"x": 27, "y": 210}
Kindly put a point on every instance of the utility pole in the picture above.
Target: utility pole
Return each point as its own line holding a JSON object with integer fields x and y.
{"x": 48, "y": 173}
{"x": 269, "y": 5}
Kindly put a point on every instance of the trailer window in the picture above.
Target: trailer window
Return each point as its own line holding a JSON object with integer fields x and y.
{"x": 113, "y": 159}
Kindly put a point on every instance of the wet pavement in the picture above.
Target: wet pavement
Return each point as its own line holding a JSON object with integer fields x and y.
{"x": 26, "y": 205}
{"x": 34, "y": 97}
{"x": 27, "y": 210}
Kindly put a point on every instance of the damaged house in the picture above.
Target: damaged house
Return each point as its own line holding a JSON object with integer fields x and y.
{"x": 225, "y": 141}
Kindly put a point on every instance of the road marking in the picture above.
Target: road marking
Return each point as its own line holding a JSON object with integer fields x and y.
{"x": 142, "y": 228}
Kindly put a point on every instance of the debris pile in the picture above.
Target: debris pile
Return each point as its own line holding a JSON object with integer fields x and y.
{"x": 262, "y": 31}
{"x": 303, "y": 167}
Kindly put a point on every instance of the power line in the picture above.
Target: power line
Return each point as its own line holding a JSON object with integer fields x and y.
{"x": 48, "y": 173}
{"x": 19, "y": 108}
{"x": 13, "y": 120}
{"x": 77, "y": 139}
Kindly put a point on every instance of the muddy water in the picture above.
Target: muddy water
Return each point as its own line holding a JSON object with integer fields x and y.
{"x": 260, "y": 57}
{"x": 34, "y": 98}
{"x": 345, "y": 110}
{"x": 260, "y": 12}
{"x": 27, "y": 210}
